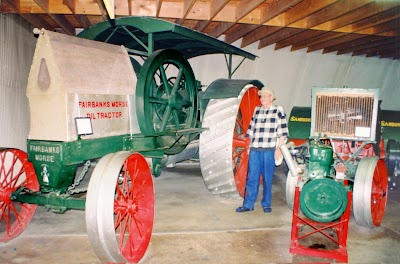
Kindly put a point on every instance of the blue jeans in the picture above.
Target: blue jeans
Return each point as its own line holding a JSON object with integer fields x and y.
{"x": 260, "y": 162}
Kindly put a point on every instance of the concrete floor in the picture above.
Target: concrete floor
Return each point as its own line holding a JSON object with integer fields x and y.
{"x": 193, "y": 226}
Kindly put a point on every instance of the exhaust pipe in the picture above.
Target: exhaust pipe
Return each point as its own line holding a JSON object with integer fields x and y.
{"x": 291, "y": 163}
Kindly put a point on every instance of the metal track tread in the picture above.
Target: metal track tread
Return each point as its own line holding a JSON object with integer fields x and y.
{"x": 217, "y": 146}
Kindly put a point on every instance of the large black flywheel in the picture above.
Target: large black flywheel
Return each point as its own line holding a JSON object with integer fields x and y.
{"x": 166, "y": 94}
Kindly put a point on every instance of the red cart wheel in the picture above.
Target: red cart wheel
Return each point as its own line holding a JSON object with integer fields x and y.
{"x": 241, "y": 144}
{"x": 120, "y": 208}
{"x": 224, "y": 146}
{"x": 379, "y": 193}
{"x": 134, "y": 208}
{"x": 15, "y": 172}
{"x": 370, "y": 192}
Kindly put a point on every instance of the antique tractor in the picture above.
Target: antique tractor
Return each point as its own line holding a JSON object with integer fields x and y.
{"x": 117, "y": 103}
{"x": 387, "y": 144}
{"x": 336, "y": 166}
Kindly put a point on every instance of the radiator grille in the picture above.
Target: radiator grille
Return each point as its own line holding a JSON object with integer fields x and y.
{"x": 341, "y": 116}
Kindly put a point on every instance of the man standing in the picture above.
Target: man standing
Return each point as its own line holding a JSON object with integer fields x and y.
{"x": 267, "y": 132}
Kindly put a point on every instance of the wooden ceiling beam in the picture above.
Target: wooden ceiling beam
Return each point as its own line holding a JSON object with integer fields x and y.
{"x": 103, "y": 9}
{"x": 201, "y": 25}
{"x": 335, "y": 41}
{"x": 301, "y": 11}
{"x": 294, "y": 14}
{"x": 383, "y": 54}
{"x": 71, "y": 5}
{"x": 10, "y": 6}
{"x": 352, "y": 44}
{"x": 387, "y": 26}
{"x": 240, "y": 31}
{"x": 43, "y": 4}
{"x": 379, "y": 48}
{"x": 276, "y": 8}
{"x": 187, "y": 6}
{"x": 216, "y": 6}
{"x": 305, "y": 9}
{"x": 318, "y": 39}
{"x": 220, "y": 29}
{"x": 372, "y": 21}
{"x": 246, "y": 7}
{"x": 64, "y": 24}
{"x": 335, "y": 10}
{"x": 48, "y": 6}
{"x": 302, "y": 36}
{"x": 258, "y": 34}
{"x": 179, "y": 21}
{"x": 37, "y": 22}
{"x": 158, "y": 7}
{"x": 6, "y": 8}
{"x": 278, "y": 36}
{"x": 330, "y": 25}
{"x": 357, "y": 15}
{"x": 83, "y": 21}
{"x": 395, "y": 54}
{"x": 368, "y": 43}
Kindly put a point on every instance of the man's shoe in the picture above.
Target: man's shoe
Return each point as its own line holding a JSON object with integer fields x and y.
{"x": 243, "y": 209}
{"x": 267, "y": 209}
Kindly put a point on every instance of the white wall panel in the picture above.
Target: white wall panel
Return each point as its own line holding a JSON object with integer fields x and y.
{"x": 293, "y": 74}
{"x": 391, "y": 87}
{"x": 17, "y": 45}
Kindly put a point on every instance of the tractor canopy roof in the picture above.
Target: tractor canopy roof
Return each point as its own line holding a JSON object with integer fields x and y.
{"x": 144, "y": 35}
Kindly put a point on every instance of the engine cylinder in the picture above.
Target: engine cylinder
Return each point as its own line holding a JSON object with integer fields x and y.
{"x": 321, "y": 158}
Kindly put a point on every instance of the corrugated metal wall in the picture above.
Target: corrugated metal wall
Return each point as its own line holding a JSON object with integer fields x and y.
{"x": 17, "y": 45}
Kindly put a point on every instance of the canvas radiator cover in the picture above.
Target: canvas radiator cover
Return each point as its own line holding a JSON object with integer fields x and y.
{"x": 72, "y": 77}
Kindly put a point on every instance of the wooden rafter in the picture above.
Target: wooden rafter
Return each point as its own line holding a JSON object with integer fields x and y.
{"x": 327, "y": 25}
{"x": 335, "y": 41}
{"x": 297, "y": 38}
{"x": 277, "y": 36}
{"x": 241, "y": 30}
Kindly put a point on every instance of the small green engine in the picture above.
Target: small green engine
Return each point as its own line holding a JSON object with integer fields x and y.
{"x": 322, "y": 198}
{"x": 321, "y": 158}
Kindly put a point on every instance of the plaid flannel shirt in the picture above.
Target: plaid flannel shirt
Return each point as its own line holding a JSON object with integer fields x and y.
{"x": 266, "y": 126}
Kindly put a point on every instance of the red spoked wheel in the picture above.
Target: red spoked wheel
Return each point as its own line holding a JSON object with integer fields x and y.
{"x": 15, "y": 173}
{"x": 120, "y": 208}
{"x": 224, "y": 147}
{"x": 379, "y": 192}
{"x": 370, "y": 192}
{"x": 241, "y": 144}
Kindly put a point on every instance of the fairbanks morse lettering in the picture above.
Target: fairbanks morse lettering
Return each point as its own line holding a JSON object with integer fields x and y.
{"x": 44, "y": 149}
{"x": 103, "y": 104}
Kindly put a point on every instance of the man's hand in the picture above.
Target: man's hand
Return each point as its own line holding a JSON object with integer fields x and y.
{"x": 278, "y": 154}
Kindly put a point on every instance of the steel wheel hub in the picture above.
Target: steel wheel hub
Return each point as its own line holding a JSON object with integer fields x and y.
{"x": 126, "y": 207}
{"x": 5, "y": 194}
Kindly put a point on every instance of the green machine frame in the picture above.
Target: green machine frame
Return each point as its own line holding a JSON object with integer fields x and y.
{"x": 56, "y": 163}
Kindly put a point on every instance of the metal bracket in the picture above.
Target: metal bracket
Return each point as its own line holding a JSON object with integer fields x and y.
{"x": 229, "y": 65}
